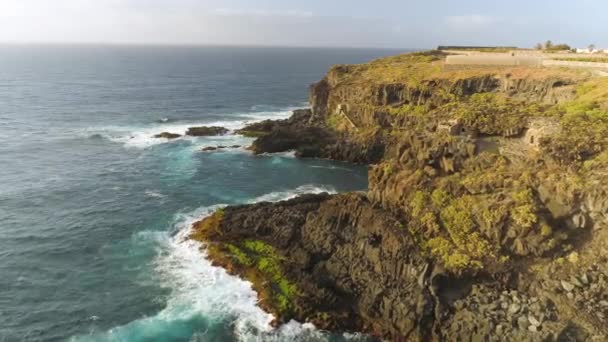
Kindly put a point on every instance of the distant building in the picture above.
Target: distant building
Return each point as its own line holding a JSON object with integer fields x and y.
{"x": 589, "y": 51}
{"x": 493, "y": 60}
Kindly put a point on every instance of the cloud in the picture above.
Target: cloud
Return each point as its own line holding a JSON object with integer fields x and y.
{"x": 193, "y": 22}
{"x": 470, "y": 22}
{"x": 262, "y": 13}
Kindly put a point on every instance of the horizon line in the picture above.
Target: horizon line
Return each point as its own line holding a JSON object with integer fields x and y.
{"x": 137, "y": 44}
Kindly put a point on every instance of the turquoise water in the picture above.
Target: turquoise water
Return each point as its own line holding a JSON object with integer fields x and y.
{"x": 94, "y": 212}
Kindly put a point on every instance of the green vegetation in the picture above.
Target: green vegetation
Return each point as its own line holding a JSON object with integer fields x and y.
{"x": 583, "y": 59}
{"x": 452, "y": 259}
{"x": 410, "y": 69}
{"x": 584, "y": 132}
{"x": 408, "y": 110}
{"x": 241, "y": 257}
{"x": 418, "y": 203}
{"x": 334, "y": 120}
{"x": 440, "y": 198}
{"x": 205, "y": 229}
{"x": 482, "y": 211}
{"x": 524, "y": 214}
{"x": 263, "y": 259}
{"x": 550, "y": 47}
{"x": 257, "y": 260}
{"x": 452, "y": 238}
{"x": 462, "y": 219}
{"x": 251, "y": 133}
{"x": 492, "y": 114}
{"x": 496, "y": 49}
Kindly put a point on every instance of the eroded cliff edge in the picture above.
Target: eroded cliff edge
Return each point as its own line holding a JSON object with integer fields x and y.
{"x": 485, "y": 216}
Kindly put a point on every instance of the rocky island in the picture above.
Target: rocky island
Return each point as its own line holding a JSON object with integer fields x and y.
{"x": 485, "y": 218}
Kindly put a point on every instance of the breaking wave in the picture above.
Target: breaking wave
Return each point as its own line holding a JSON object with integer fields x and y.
{"x": 205, "y": 302}
{"x": 143, "y": 136}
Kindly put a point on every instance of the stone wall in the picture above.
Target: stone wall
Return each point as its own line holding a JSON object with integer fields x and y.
{"x": 501, "y": 60}
{"x": 575, "y": 64}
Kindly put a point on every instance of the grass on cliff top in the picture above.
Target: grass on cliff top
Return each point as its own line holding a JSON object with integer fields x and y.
{"x": 583, "y": 59}
{"x": 409, "y": 69}
{"x": 414, "y": 68}
{"x": 516, "y": 73}
{"x": 584, "y": 132}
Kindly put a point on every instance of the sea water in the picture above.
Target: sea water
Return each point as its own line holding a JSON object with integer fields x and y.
{"x": 95, "y": 212}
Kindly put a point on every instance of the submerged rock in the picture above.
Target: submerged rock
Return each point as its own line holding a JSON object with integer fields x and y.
{"x": 218, "y": 147}
{"x": 167, "y": 135}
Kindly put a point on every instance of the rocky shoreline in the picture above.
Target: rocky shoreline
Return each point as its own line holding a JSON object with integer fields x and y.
{"x": 485, "y": 218}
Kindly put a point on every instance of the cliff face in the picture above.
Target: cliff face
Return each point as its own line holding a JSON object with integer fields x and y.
{"x": 486, "y": 213}
{"x": 364, "y": 103}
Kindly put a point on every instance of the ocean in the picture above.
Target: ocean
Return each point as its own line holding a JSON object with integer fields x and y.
{"x": 94, "y": 212}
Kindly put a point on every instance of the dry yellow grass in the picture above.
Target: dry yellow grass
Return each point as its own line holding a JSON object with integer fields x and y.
{"x": 414, "y": 69}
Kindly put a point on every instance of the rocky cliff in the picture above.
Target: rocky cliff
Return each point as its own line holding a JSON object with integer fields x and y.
{"x": 485, "y": 217}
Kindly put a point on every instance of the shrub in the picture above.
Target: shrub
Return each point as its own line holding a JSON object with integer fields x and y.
{"x": 584, "y": 132}
{"x": 267, "y": 261}
{"x": 208, "y": 227}
{"x": 241, "y": 257}
{"x": 524, "y": 216}
{"x": 440, "y": 198}
{"x": 418, "y": 203}
{"x": 452, "y": 259}
{"x": 491, "y": 114}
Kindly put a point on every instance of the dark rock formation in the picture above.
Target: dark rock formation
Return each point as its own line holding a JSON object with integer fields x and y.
{"x": 355, "y": 266}
{"x": 312, "y": 140}
{"x": 257, "y": 129}
{"x": 167, "y": 135}
{"x": 206, "y": 131}
{"x": 218, "y": 147}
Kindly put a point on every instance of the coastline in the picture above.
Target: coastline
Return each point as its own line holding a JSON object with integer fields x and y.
{"x": 452, "y": 239}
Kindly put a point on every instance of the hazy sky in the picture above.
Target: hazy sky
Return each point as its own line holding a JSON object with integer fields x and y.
{"x": 355, "y": 23}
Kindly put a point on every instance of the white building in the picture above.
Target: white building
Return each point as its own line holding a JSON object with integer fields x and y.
{"x": 587, "y": 50}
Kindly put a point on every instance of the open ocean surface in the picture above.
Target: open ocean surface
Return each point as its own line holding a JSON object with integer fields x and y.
{"x": 94, "y": 211}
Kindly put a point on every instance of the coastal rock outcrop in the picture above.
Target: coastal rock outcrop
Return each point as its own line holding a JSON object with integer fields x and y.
{"x": 352, "y": 266}
{"x": 308, "y": 139}
{"x": 485, "y": 219}
{"x": 204, "y": 131}
{"x": 167, "y": 135}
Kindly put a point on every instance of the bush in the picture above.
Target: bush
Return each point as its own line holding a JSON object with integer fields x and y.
{"x": 418, "y": 203}
{"x": 584, "y": 132}
{"x": 440, "y": 198}
{"x": 491, "y": 114}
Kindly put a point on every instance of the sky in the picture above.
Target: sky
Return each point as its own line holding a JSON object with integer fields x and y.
{"x": 323, "y": 23}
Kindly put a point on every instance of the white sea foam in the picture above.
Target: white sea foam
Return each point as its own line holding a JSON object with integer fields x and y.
{"x": 211, "y": 292}
{"x": 289, "y": 194}
{"x": 143, "y": 136}
{"x": 287, "y": 154}
{"x": 332, "y": 167}
{"x": 154, "y": 194}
